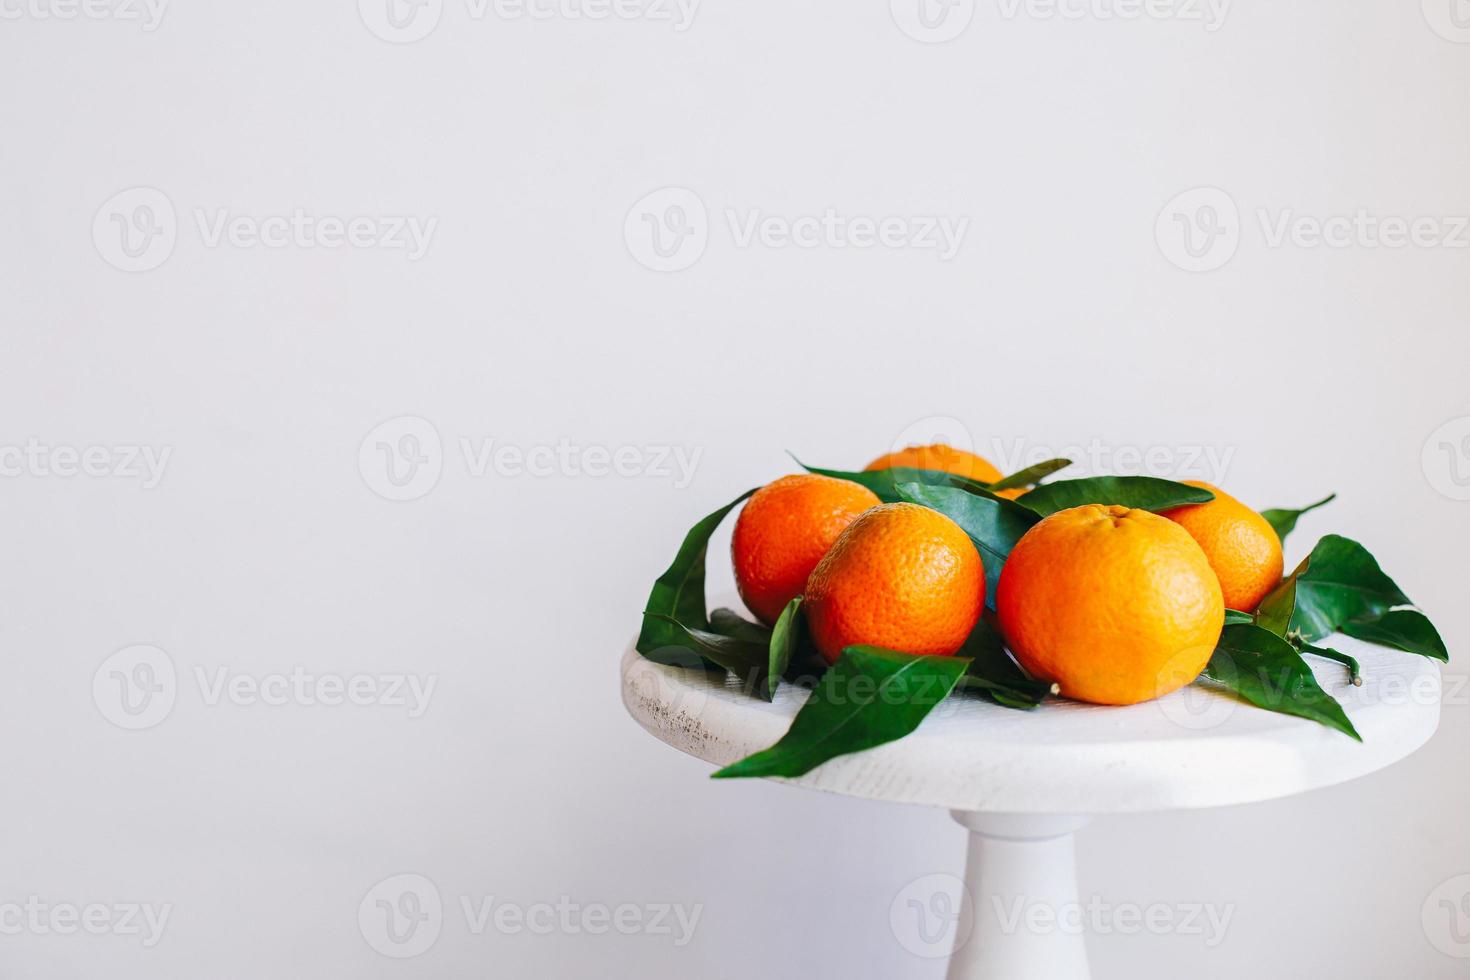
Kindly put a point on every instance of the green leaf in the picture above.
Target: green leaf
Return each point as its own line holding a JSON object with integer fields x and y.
{"x": 993, "y": 524}
{"x": 782, "y": 644}
{"x": 1403, "y": 629}
{"x": 1274, "y": 612}
{"x": 1030, "y": 476}
{"x": 1339, "y": 582}
{"x": 869, "y": 697}
{"x": 1268, "y": 672}
{"x": 744, "y": 659}
{"x": 678, "y": 595}
{"x": 727, "y": 622}
{"x": 1284, "y": 521}
{"x": 1234, "y": 617}
{"x": 1144, "y": 492}
{"x": 1355, "y": 670}
{"x": 995, "y": 674}
{"x": 885, "y": 483}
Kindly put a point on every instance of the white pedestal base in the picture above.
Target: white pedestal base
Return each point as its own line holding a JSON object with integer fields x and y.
{"x": 990, "y": 766}
{"x": 1021, "y": 885}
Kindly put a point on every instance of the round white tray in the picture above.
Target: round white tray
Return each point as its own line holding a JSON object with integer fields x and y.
{"x": 1023, "y": 782}
{"x": 1194, "y": 748}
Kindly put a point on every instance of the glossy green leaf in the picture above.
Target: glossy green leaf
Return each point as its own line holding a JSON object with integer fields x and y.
{"x": 1403, "y": 629}
{"x": 993, "y": 672}
{"x": 678, "y": 594}
{"x": 1030, "y": 476}
{"x": 869, "y": 697}
{"x": 744, "y": 659}
{"x": 1143, "y": 492}
{"x": 1355, "y": 670}
{"x": 1234, "y": 617}
{"x": 885, "y": 483}
{"x": 1337, "y": 583}
{"x": 1274, "y": 612}
{"x": 727, "y": 622}
{"x": 993, "y": 524}
{"x": 1268, "y": 672}
{"x": 1284, "y": 521}
{"x": 782, "y": 644}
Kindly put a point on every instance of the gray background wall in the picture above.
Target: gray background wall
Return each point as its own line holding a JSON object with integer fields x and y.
{"x": 532, "y": 319}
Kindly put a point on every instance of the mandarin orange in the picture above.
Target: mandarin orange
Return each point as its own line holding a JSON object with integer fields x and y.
{"x": 901, "y": 576}
{"x": 784, "y": 530}
{"x": 1241, "y": 545}
{"x": 1114, "y": 605}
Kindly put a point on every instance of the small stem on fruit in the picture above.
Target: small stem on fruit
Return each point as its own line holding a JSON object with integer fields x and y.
{"x": 1056, "y": 689}
{"x": 1355, "y": 672}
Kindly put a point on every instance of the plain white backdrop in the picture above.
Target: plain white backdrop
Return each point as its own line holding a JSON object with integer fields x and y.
{"x": 617, "y": 266}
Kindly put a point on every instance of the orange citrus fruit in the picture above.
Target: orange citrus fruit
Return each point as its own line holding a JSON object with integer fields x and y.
{"x": 939, "y": 457}
{"x": 1241, "y": 545}
{"x": 944, "y": 459}
{"x": 1114, "y": 605}
{"x": 901, "y": 576}
{"x": 784, "y": 530}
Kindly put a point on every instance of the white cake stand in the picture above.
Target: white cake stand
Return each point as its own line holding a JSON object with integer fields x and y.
{"x": 1023, "y": 782}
